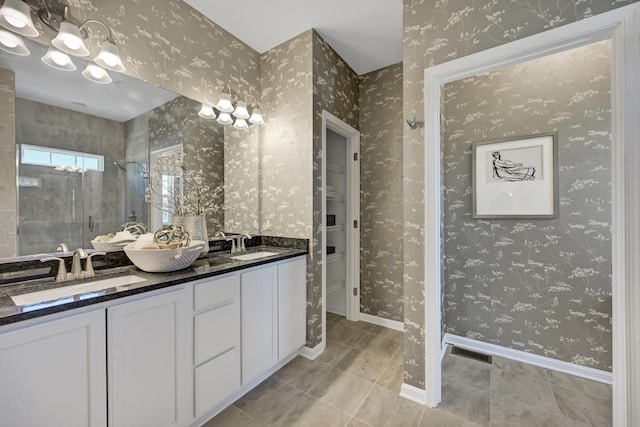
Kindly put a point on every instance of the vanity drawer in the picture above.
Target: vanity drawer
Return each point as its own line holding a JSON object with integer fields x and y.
{"x": 215, "y": 332}
{"x": 216, "y": 380}
{"x": 216, "y": 292}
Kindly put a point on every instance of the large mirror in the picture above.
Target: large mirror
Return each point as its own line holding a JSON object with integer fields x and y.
{"x": 86, "y": 152}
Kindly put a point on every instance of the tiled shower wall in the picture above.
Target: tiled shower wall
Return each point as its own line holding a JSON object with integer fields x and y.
{"x": 541, "y": 286}
{"x": 381, "y": 123}
{"x": 437, "y": 31}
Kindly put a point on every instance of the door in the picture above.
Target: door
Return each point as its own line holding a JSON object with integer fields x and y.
{"x": 147, "y": 361}
{"x": 54, "y": 374}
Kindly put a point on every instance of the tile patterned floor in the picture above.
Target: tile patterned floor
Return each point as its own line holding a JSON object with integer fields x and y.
{"x": 356, "y": 381}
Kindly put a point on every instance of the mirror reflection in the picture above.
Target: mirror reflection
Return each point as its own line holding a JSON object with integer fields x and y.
{"x": 84, "y": 153}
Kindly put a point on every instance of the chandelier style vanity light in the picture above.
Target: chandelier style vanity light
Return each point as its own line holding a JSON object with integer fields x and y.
{"x": 15, "y": 18}
{"x": 233, "y": 111}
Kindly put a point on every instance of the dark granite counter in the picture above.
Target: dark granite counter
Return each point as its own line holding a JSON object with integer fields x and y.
{"x": 211, "y": 265}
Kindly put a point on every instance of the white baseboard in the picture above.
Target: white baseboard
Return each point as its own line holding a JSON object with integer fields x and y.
{"x": 532, "y": 359}
{"x": 413, "y": 394}
{"x": 312, "y": 353}
{"x": 381, "y": 321}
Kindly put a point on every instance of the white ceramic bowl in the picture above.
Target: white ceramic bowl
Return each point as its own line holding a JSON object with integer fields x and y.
{"x": 164, "y": 260}
{"x": 110, "y": 246}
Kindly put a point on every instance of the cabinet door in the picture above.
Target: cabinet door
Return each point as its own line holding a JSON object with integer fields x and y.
{"x": 54, "y": 374}
{"x": 147, "y": 361}
{"x": 258, "y": 290}
{"x": 292, "y": 306}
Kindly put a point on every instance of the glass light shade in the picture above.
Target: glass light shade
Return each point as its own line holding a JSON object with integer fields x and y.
{"x": 15, "y": 15}
{"x": 256, "y": 117}
{"x": 58, "y": 60}
{"x": 241, "y": 124}
{"x": 11, "y": 43}
{"x": 69, "y": 40}
{"x": 206, "y": 112}
{"x": 241, "y": 111}
{"x": 225, "y": 119}
{"x": 224, "y": 104}
{"x": 109, "y": 57}
{"x": 96, "y": 74}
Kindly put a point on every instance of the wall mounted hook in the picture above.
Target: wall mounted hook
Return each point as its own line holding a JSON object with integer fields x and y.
{"x": 413, "y": 123}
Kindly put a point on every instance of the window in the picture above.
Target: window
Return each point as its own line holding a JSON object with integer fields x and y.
{"x": 60, "y": 159}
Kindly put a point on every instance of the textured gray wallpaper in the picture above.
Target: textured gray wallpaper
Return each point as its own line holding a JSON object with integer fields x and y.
{"x": 381, "y": 286}
{"x": 542, "y": 286}
{"x": 436, "y": 31}
{"x": 8, "y": 210}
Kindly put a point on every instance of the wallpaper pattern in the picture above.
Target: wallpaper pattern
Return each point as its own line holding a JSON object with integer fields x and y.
{"x": 436, "y": 31}
{"x": 381, "y": 286}
{"x": 8, "y": 195}
{"x": 542, "y": 286}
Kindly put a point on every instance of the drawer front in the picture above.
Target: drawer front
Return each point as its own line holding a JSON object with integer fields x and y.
{"x": 216, "y": 331}
{"x": 216, "y": 380}
{"x": 216, "y": 292}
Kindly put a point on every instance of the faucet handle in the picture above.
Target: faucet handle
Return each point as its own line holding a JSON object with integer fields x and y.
{"x": 88, "y": 269}
{"x": 62, "y": 268}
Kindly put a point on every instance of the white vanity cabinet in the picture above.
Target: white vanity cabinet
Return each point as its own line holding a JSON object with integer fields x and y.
{"x": 147, "y": 361}
{"x": 54, "y": 374}
{"x": 292, "y": 306}
{"x": 259, "y": 305}
{"x": 216, "y": 339}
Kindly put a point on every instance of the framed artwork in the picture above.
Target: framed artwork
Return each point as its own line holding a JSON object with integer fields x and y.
{"x": 516, "y": 177}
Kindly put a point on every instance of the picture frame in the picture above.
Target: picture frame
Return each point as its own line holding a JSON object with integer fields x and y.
{"x": 516, "y": 177}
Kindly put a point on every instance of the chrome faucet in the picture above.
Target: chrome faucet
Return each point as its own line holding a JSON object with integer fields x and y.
{"x": 76, "y": 264}
{"x": 232, "y": 239}
{"x": 243, "y": 237}
{"x": 220, "y": 233}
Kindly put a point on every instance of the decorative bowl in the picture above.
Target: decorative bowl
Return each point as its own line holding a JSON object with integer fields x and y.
{"x": 164, "y": 260}
{"x": 110, "y": 246}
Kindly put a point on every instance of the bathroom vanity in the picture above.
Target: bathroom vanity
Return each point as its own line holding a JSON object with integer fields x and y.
{"x": 171, "y": 349}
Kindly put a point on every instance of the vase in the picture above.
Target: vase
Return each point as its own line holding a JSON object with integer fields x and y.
{"x": 196, "y": 225}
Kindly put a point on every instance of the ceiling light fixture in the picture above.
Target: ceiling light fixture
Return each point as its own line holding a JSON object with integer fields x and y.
{"x": 233, "y": 111}
{"x": 71, "y": 38}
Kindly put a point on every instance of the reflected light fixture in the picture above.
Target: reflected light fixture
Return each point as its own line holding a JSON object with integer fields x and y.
{"x": 230, "y": 111}
{"x": 71, "y": 37}
{"x": 12, "y": 43}
{"x": 58, "y": 60}
{"x": 206, "y": 112}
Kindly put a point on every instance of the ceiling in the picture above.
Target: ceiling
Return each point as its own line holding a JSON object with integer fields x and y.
{"x": 367, "y": 34}
{"x": 122, "y": 100}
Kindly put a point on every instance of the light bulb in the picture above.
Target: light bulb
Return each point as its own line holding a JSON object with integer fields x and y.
{"x": 225, "y": 119}
{"x": 241, "y": 124}
{"x": 109, "y": 57}
{"x": 206, "y": 112}
{"x": 224, "y": 103}
{"x": 18, "y": 23}
{"x": 15, "y": 15}
{"x": 58, "y": 60}
{"x": 96, "y": 74}
{"x": 256, "y": 117}
{"x": 241, "y": 110}
{"x": 69, "y": 40}
{"x": 8, "y": 39}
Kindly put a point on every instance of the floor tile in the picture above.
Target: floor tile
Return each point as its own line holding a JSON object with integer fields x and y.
{"x": 507, "y": 413}
{"x": 593, "y": 388}
{"x": 379, "y": 345}
{"x": 334, "y": 353}
{"x": 439, "y": 418}
{"x": 302, "y": 373}
{"x": 345, "y": 334}
{"x": 363, "y": 364}
{"x": 524, "y": 389}
{"x": 355, "y": 422}
{"x": 465, "y": 371}
{"x": 392, "y": 377}
{"x": 398, "y": 357}
{"x": 311, "y": 412}
{"x": 387, "y": 332}
{"x": 231, "y": 417}
{"x": 383, "y": 407}
{"x": 584, "y": 407}
{"x": 520, "y": 368}
{"x": 269, "y": 400}
{"x": 469, "y": 403}
{"x": 341, "y": 390}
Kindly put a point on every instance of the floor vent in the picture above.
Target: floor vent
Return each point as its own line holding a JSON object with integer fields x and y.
{"x": 471, "y": 354}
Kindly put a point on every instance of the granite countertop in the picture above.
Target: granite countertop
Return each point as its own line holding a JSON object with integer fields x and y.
{"x": 207, "y": 266}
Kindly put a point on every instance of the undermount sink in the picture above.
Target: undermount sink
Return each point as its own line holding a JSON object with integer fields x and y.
{"x": 252, "y": 256}
{"x": 81, "y": 288}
